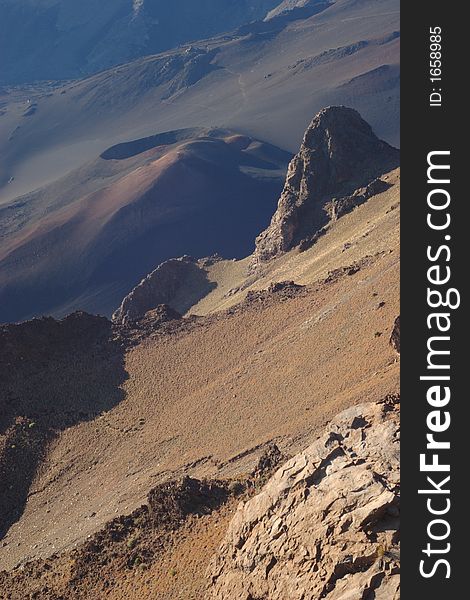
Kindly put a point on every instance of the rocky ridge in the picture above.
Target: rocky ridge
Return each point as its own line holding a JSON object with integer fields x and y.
{"x": 337, "y": 168}
{"x": 161, "y": 287}
{"x": 288, "y": 5}
{"x": 326, "y": 524}
{"x": 88, "y": 37}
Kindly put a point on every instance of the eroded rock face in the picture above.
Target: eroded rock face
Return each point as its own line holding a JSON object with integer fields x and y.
{"x": 326, "y": 524}
{"x": 176, "y": 283}
{"x": 336, "y": 169}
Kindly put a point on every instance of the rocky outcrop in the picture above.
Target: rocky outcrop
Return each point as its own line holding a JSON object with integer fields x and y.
{"x": 161, "y": 319}
{"x": 337, "y": 168}
{"x": 177, "y": 283}
{"x": 42, "y": 338}
{"x": 282, "y": 290}
{"x": 326, "y": 524}
{"x": 155, "y": 317}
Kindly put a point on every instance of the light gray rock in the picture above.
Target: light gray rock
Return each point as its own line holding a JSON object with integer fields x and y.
{"x": 325, "y": 525}
{"x": 288, "y": 5}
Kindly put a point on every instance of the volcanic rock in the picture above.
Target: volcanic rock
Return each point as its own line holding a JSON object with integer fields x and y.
{"x": 161, "y": 287}
{"x": 46, "y": 335}
{"x": 325, "y": 525}
{"x": 336, "y": 169}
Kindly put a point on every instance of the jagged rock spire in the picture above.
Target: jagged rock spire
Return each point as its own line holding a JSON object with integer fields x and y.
{"x": 339, "y": 155}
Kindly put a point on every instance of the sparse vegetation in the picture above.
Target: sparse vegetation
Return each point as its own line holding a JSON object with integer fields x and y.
{"x": 132, "y": 542}
{"x": 236, "y": 487}
{"x": 137, "y": 561}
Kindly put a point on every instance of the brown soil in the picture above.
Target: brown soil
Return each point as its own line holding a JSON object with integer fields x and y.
{"x": 135, "y": 556}
{"x": 161, "y": 550}
{"x": 202, "y": 397}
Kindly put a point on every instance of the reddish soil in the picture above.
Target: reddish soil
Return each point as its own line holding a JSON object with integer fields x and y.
{"x": 200, "y": 397}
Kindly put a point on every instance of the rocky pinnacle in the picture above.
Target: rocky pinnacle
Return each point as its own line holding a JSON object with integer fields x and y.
{"x": 336, "y": 168}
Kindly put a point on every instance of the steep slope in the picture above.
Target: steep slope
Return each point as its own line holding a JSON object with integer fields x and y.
{"x": 370, "y": 229}
{"x": 63, "y": 39}
{"x": 265, "y": 80}
{"x": 45, "y": 391}
{"x": 84, "y": 242}
{"x": 163, "y": 549}
{"x": 136, "y": 438}
{"x": 341, "y": 165}
{"x": 197, "y": 399}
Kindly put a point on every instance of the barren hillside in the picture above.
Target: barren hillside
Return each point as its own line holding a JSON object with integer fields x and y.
{"x": 65, "y": 39}
{"x": 196, "y": 399}
{"x": 265, "y": 80}
{"x": 84, "y": 241}
{"x": 137, "y": 438}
